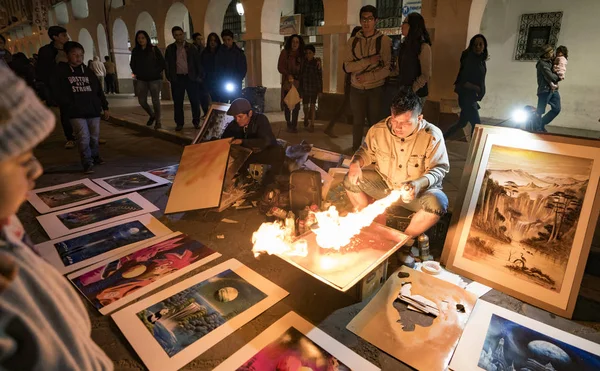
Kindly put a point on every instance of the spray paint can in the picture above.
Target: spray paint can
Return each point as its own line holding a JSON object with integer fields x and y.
{"x": 424, "y": 247}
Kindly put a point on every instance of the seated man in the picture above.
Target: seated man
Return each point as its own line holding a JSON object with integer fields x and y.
{"x": 408, "y": 153}
{"x": 253, "y": 131}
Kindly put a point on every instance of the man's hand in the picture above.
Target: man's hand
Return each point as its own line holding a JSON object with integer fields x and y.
{"x": 236, "y": 141}
{"x": 290, "y": 78}
{"x": 106, "y": 115}
{"x": 375, "y": 59}
{"x": 354, "y": 173}
{"x": 410, "y": 190}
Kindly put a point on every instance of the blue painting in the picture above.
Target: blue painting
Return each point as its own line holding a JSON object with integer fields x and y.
{"x": 182, "y": 319}
{"x": 86, "y": 247}
{"x": 509, "y": 346}
{"x": 95, "y": 214}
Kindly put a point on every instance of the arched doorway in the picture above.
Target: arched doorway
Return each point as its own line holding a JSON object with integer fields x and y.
{"x": 102, "y": 42}
{"x": 146, "y": 22}
{"x": 85, "y": 39}
{"x": 80, "y": 9}
{"x": 178, "y": 15}
{"x": 122, "y": 55}
{"x": 232, "y": 20}
{"x": 215, "y": 13}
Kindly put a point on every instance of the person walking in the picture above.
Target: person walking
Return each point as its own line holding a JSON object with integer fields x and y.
{"x": 147, "y": 64}
{"x": 311, "y": 86}
{"x": 23, "y": 68}
{"x": 344, "y": 108}
{"x": 203, "y": 95}
{"x": 414, "y": 59}
{"x": 4, "y": 53}
{"x": 184, "y": 71}
{"x": 81, "y": 97}
{"x": 367, "y": 59}
{"x": 470, "y": 84}
{"x": 48, "y": 58}
{"x": 111, "y": 76}
{"x": 207, "y": 59}
{"x": 98, "y": 68}
{"x": 547, "y": 95}
{"x": 289, "y": 66}
{"x": 231, "y": 67}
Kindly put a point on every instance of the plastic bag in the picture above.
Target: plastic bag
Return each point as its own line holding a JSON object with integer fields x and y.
{"x": 292, "y": 98}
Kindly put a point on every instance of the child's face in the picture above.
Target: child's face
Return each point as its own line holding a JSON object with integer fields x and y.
{"x": 17, "y": 176}
{"x": 559, "y": 54}
{"x": 75, "y": 57}
{"x": 309, "y": 55}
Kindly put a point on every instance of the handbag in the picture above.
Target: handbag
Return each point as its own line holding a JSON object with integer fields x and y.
{"x": 292, "y": 98}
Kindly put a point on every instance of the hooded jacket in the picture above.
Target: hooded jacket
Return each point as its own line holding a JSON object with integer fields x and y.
{"x": 545, "y": 75}
{"x": 46, "y": 64}
{"x": 79, "y": 92}
{"x": 473, "y": 69}
{"x": 147, "y": 64}
{"x": 230, "y": 63}
{"x": 357, "y": 61}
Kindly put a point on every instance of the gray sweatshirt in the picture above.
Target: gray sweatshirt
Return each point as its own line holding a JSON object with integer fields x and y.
{"x": 43, "y": 323}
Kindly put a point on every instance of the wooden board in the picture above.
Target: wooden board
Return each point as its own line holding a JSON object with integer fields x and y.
{"x": 199, "y": 180}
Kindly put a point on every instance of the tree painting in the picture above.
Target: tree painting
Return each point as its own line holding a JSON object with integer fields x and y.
{"x": 527, "y": 214}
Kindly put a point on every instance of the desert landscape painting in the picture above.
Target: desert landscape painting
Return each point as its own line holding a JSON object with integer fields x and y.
{"x": 527, "y": 214}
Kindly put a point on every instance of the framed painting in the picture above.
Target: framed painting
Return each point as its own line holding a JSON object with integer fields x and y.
{"x": 79, "y": 250}
{"x": 174, "y": 326}
{"x": 526, "y": 224}
{"x": 535, "y": 31}
{"x": 62, "y": 196}
{"x": 84, "y": 217}
{"x": 114, "y": 282}
{"x": 215, "y": 123}
{"x": 167, "y": 172}
{"x": 132, "y": 182}
{"x": 294, "y": 341}
{"x": 496, "y": 336}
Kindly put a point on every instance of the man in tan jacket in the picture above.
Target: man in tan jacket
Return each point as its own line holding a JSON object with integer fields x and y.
{"x": 402, "y": 152}
{"x": 367, "y": 59}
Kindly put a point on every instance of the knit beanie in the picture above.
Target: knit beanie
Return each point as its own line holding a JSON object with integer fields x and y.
{"x": 24, "y": 120}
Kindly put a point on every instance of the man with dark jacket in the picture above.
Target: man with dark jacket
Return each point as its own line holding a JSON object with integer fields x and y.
{"x": 253, "y": 130}
{"x": 48, "y": 58}
{"x": 203, "y": 95}
{"x": 546, "y": 94}
{"x": 231, "y": 68}
{"x": 184, "y": 71}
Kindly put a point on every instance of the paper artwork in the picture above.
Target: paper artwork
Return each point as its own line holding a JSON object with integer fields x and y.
{"x": 294, "y": 342}
{"x": 70, "y": 253}
{"x": 63, "y": 196}
{"x": 173, "y": 327}
{"x": 130, "y": 182}
{"x": 113, "y": 283}
{"x": 215, "y": 123}
{"x": 78, "y": 219}
{"x": 167, "y": 172}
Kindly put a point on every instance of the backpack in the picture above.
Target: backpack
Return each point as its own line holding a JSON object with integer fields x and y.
{"x": 377, "y": 46}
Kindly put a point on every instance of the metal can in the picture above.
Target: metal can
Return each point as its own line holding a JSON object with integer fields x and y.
{"x": 424, "y": 247}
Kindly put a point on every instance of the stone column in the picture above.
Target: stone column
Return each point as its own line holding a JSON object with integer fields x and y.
{"x": 334, "y": 49}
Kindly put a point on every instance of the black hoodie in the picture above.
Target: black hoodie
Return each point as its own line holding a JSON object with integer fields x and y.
{"x": 78, "y": 91}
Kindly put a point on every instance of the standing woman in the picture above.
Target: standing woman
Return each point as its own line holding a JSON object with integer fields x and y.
{"x": 290, "y": 66}
{"x": 147, "y": 64}
{"x": 470, "y": 83}
{"x": 414, "y": 60}
{"x": 207, "y": 59}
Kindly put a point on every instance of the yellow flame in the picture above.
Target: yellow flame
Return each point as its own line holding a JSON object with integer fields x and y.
{"x": 334, "y": 231}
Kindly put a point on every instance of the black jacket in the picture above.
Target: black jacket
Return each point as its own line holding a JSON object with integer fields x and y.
{"x": 207, "y": 59}
{"x": 195, "y": 71}
{"x": 473, "y": 69}
{"x": 257, "y": 136}
{"x": 545, "y": 76}
{"x": 230, "y": 63}
{"x": 147, "y": 64}
{"x": 46, "y": 64}
{"x": 78, "y": 91}
{"x": 410, "y": 67}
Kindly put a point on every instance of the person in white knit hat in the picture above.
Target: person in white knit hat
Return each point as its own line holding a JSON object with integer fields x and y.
{"x": 43, "y": 323}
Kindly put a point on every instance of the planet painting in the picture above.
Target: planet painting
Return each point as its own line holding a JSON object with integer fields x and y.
{"x": 227, "y": 294}
{"x": 509, "y": 346}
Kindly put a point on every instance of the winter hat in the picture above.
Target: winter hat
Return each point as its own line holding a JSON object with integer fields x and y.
{"x": 24, "y": 120}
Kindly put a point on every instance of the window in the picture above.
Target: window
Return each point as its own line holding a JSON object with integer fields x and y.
{"x": 312, "y": 10}
{"x": 232, "y": 20}
{"x": 389, "y": 13}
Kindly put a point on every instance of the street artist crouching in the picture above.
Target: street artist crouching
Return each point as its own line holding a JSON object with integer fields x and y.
{"x": 253, "y": 131}
{"x": 402, "y": 152}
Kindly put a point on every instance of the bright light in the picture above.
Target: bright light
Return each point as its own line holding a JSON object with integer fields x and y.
{"x": 230, "y": 87}
{"x": 520, "y": 116}
{"x": 240, "y": 8}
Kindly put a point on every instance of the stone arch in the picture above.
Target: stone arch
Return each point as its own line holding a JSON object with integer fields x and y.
{"x": 86, "y": 40}
{"x": 102, "y": 42}
{"x": 121, "y": 48}
{"x": 475, "y": 18}
{"x": 80, "y": 9}
{"x": 215, "y": 12}
{"x": 117, "y": 3}
{"x": 146, "y": 22}
{"x": 61, "y": 14}
{"x": 177, "y": 15}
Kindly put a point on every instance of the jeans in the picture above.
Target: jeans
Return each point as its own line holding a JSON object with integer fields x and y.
{"x": 66, "y": 124}
{"x": 365, "y": 104}
{"x": 87, "y": 132}
{"x": 142, "y": 94}
{"x": 431, "y": 200}
{"x": 551, "y": 98}
{"x": 109, "y": 81}
{"x": 179, "y": 86}
{"x": 469, "y": 113}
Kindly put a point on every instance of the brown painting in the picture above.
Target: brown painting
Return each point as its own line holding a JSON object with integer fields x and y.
{"x": 422, "y": 341}
{"x": 199, "y": 180}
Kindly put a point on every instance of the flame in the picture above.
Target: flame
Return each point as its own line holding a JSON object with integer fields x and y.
{"x": 334, "y": 231}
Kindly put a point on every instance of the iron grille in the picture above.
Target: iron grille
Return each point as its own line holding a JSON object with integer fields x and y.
{"x": 312, "y": 10}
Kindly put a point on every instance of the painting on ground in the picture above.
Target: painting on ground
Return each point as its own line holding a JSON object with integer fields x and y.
{"x": 176, "y": 325}
{"x": 215, "y": 123}
{"x": 293, "y": 343}
{"x": 498, "y": 339}
{"x": 79, "y": 250}
{"x": 107, "y": 284}
{"x": 131, "y": 182}
{"x": 167, "y": 172}
{"x": 66, "y": 195}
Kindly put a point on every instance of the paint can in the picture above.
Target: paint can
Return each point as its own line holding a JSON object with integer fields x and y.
{"x": 424, "y": 247}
